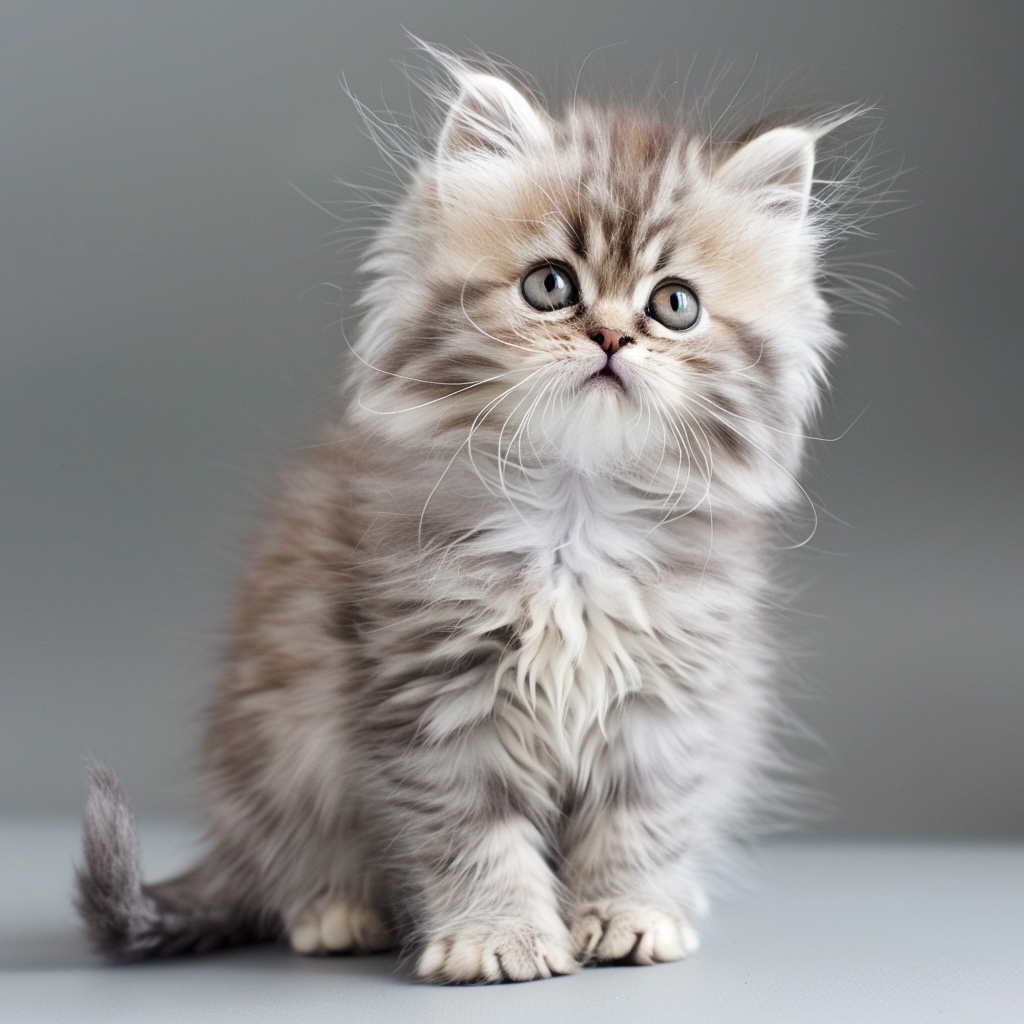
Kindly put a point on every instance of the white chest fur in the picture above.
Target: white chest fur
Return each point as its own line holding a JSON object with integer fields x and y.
{"x": 582, "y": 613}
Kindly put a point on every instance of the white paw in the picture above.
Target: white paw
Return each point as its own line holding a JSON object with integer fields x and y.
{"x": 338, "y": 926}
{"x": 620, "y": 930}
{"x": 513, "y": 951}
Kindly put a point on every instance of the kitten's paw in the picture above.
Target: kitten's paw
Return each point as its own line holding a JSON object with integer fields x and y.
{"x": 619, "y": 930}
{"x": 512, "y": 951}
{"x": 337, "y": 926}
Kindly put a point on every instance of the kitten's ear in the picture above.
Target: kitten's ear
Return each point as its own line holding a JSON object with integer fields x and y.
{"x": 489, "y": 116}
{"x": 777, "y": 166}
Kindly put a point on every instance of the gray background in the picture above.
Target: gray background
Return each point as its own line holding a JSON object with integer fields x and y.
{"x": 165, "y": 342}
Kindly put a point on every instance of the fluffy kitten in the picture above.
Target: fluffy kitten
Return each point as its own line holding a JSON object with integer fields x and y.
{"x": 499, "y": 687}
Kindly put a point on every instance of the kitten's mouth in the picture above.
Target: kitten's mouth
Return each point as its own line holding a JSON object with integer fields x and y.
{"x": 608, "y": 373}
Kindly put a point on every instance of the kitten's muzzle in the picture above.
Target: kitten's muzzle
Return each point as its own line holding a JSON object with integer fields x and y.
{"x": 611, "y": 341}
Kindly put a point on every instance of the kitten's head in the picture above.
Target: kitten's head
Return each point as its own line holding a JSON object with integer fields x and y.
{"x": 602, "y": 291}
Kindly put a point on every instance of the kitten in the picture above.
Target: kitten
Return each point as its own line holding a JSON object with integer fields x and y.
{"x": 500, "y": 683}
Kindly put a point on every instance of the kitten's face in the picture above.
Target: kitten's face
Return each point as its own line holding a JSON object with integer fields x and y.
{"x": 609, "y": 292}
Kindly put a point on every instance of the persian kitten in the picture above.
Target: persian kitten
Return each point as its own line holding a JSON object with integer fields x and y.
{"x": 499, "y": 688}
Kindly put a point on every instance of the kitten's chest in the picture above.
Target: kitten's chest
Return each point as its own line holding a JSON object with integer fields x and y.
{"x": 583, "y": 624}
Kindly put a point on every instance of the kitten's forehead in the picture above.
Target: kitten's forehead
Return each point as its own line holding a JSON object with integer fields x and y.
{"x": 621, "y": 197}
{"x": 624, "y": 179}
{"x": 622, "y": 157}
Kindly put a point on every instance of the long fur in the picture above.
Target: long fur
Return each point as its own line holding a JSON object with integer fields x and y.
{"x": 500, "y": 687}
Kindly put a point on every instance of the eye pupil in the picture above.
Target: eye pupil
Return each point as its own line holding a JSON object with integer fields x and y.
{"x": 552, "y": 282}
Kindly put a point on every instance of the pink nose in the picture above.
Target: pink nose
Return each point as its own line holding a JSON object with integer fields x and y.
{"x": 611, "y": 341}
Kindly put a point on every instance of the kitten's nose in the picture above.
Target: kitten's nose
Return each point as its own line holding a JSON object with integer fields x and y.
{"x": 611, "y": 341}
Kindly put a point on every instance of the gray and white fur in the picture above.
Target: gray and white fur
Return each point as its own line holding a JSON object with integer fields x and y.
{"x": 500, "y": 682}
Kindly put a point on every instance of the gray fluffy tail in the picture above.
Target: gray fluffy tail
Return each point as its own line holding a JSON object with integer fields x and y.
{"x": 127, "y": 920}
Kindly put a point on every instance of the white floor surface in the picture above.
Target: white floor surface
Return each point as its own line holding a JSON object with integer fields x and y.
{"x": 820, "y": 934}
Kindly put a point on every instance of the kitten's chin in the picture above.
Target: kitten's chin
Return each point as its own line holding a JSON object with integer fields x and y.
{"x": 595, "y": 427}
{"x": 607, "y": 400}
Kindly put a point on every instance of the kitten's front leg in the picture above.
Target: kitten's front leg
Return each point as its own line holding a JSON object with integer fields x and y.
{"x": 487, "y": 900}
{"x": 492, "y": 913}
{"x": 630, "y": 848}
{"x": 628, "y": 907}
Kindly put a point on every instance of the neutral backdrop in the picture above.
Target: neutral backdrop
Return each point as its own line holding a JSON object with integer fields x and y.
{"x": 168, "y": 337}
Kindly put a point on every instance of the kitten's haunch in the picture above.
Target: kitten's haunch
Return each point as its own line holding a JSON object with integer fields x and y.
{"x": 499, "y": 687}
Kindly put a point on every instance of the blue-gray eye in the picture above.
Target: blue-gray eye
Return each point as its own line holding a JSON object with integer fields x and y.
{"x": 549, "y": 287}
{"x": 673, "y": 304}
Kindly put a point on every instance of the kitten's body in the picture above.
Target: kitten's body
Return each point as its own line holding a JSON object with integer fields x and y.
{"x": 499, "y": 686}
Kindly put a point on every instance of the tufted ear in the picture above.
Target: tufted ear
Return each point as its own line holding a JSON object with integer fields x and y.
{"x": 777, "y": 166}
{"x": 489, "y": 116}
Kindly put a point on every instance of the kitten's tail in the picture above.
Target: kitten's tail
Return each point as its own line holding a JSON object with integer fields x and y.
{"x": 127, "y": 920}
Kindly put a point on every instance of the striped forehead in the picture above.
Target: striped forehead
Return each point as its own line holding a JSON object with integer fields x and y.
{"x": 629, "y": 179}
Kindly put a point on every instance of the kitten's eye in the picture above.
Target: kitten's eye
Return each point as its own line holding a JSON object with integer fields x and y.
{"x": 549, "y": 287}
{"x": 673, "y": 304}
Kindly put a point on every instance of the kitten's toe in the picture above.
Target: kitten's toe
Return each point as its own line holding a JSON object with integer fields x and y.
{"x": 338, "y": 926}
{"x": 615, "y": 930}
{"x": 505, "y": 952}
{"x": 304, "y": 933}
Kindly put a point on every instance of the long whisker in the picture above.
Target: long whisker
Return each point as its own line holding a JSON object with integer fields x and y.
{"x": 478, "y": 422}
{"x": 676, "y": 493}
{"x": 707, "y": 469}
{"x": 462, "y": 384}
{"x": 778, "y": 430}
{"x": 467, "y": 445}
{"x": 433, "y": 401}
{"x": 774, "y": 461}
{"x": 503, "y": 460}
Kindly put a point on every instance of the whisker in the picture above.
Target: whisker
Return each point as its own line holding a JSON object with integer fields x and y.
{"x": 467, "y": 445}
{"x": 810, "y": 502}
{"x": 776, "y": 430}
